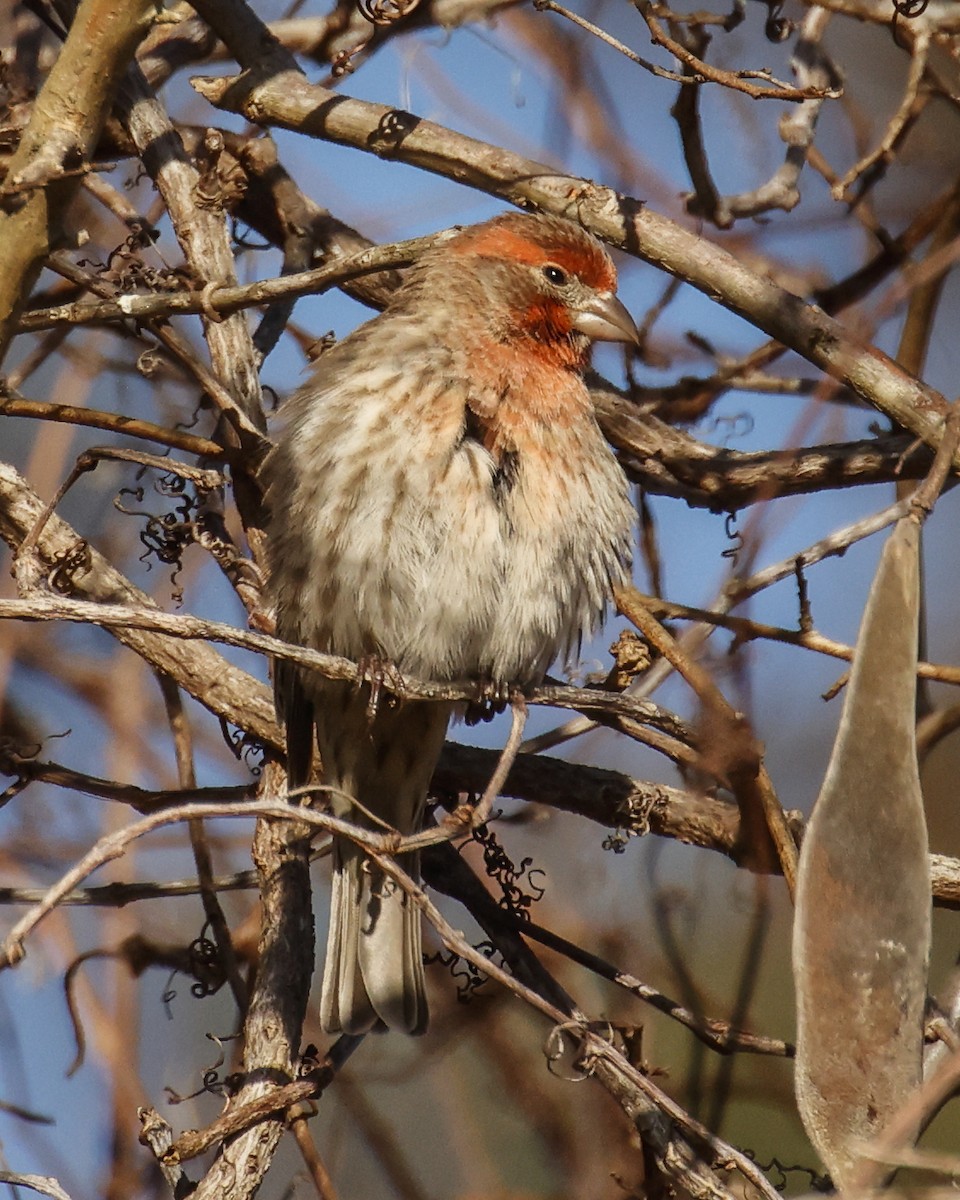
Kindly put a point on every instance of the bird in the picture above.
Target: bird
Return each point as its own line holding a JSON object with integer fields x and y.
{"x": 441, "y": 500}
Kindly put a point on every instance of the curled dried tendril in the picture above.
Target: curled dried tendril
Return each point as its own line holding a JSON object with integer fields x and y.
{"x": 211, "y": 1084}
{"x": 777, "y": 28}
{"x": 779, "y": 1174}
{"x": 513, "y": 899}
{"x": 558, "y": 1052}
{"x": 910, "y": 8}
{"x": 386, "y": 12}
{"x": 734, "y": 536}
{"x": 73, "y": 561}
{"x": 378, "y": 12}
{"x": 499, "y": 867}
{"x": 126, "y": 269}
{"x": 466, "y": 975}
{"x": 557, "y": 1049}
{"x": 244, "y": 748}
{"x": 206, "y": 967}
{"x": 393, "y": 127}
{"x": 150, "y": 361}
{"x": 165, "y": 535}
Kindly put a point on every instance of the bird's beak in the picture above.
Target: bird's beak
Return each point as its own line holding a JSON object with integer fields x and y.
{"x": 603, "y": 318}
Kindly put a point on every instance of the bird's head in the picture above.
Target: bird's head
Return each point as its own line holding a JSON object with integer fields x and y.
{"x": 540, "y": 279}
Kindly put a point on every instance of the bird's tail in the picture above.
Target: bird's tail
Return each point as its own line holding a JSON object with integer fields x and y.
{"x": 379, "y": 771}
{"x": 374, "y": 967}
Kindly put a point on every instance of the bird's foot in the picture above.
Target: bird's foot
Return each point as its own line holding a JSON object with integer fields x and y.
{"x": 493, "y": 696}
{"x": 382, "y": 675}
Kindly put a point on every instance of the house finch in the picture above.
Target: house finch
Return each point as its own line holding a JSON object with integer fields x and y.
{"x": 441, "y": 500}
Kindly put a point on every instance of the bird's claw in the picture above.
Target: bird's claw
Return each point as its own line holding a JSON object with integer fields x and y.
{"x": 379, "y": 671}
{"x": 493, "y": 696}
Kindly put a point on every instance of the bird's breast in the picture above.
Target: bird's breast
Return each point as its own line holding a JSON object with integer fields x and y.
{"x": 453, "y": 541}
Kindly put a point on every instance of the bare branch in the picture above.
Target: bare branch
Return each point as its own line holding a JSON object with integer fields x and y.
{"x": 59, "y": 142}
{"x": 221, "y": 687}
{"x": 272, "y": 91}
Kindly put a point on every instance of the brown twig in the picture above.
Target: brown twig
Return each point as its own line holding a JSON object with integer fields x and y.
{"x": 184, "y": 627}
{"x": 747, "y": 629}
{"x": 278, "y": 997}
{"x": 229, "y": 298}
{"x": 186, "y": 773}
{"x": 741, "y": 759}
{"x": 273, "y": 91}
{"x": 911, "y": 106}
{"x": 177, "y": 347}
{"x": 246, "y": 1116}
{"x": 814, "y": 71}
{"x": 481, "y": 811}
{"x": 46, "y": 1185}
{"x": 698, "y": 70}
{"x": 718, "y": 1035}
{"x": 223, "y": 688}
{"x": 735, "y": 592}
{"x": 73, "y": 414}
{"x": 312, "y": 1160}
{"x": 26, "y": 565}
{"x": 650, "y": 1109}
{"x": 116, "y": 895}
{"x": 62, "y": 134}
{"x": 204, "y": 236}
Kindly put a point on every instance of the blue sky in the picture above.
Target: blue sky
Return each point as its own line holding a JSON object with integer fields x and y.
{"x": 505, "y": 95}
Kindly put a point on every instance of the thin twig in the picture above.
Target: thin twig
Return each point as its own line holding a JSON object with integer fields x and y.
{"x": 312, "y": 1160}
{"x": 518, "y": 712}
{"x": 117, "y": 616}
{"x": 746, "y": 629}
{"x": 911, "y": 105}
{"x": 222, "y": 301}
{"x": 195, "y": 1142}
{"x": 73, "y": 414}
{"x": 741, "y": 755}
{"x": 699, "y": 71}
{"x": 46, "y": 1185}
{"x": 116, "y": 895}
{"x": 217, "y": 921}
{"x": 718, "y": 1035}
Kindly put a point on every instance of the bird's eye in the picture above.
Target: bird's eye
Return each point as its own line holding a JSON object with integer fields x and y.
{"x": 556, "y": 275}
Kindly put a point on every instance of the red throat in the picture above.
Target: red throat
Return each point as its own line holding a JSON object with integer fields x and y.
{"x": 550, "y": 326}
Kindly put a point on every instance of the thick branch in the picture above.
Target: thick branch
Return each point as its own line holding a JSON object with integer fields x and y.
{"x": 227, "y": 691}
{"x": 272, "y": 91}
{"x": 203, "y": 235}
{"x": 278, "y": 1001}
{"x": 59, "y": 141}
{"x": 668, "y": 461}
{"x": 615, "y": 706}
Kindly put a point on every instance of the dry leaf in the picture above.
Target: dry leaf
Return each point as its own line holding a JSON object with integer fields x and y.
{"x": 862, "y": 926}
